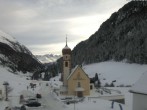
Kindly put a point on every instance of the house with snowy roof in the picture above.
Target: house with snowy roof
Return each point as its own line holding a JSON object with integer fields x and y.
{"x": 139, "y": 90}
{"x": 75, "y": 82}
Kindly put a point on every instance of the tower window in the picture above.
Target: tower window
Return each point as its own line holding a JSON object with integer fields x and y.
{"x": 66, "y": 64}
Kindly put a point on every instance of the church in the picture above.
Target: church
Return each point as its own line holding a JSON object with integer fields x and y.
{"x": 75, "y": 82}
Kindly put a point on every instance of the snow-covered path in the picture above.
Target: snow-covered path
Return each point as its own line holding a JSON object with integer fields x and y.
{"x": 49, "y": 101}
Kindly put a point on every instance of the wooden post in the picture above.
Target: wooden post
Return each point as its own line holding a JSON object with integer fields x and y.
{"x": 6, "y": 84}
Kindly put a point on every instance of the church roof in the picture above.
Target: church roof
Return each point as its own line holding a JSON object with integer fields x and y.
{"x": 140, "y": 87}
{"x": 66, "y": 50}
{"x": 66, "y": 47}
{"x": 72, "y": 72}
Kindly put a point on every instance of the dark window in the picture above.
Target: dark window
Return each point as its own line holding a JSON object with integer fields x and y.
{"x": 91, "y": 87}
{"x": 79, "y": 84}
{"x": 66, "y": 64}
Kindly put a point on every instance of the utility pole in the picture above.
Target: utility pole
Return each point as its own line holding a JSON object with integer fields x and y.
{"x": 74, "y": 101}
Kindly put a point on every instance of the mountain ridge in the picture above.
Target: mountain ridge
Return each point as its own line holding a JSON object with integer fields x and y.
{"x": 16, "y": 56}
{"x": 122, "y": 36}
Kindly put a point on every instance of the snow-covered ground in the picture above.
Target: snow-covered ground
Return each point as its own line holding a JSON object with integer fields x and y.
{"x": 123, "y": 73}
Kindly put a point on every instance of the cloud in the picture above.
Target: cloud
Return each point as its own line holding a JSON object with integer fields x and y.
{"x": 41, "y": 23}
{"x": 55, "y": 48}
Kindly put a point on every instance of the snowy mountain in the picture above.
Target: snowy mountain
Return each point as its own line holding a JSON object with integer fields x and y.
{"x": 13, "y": 43}
{"x": 16, "y": 56}
{"x": 48, "y": 58}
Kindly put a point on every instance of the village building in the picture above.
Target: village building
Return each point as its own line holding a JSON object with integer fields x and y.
{"x": 75, "y": 82}
{"x": 139, "y": 91}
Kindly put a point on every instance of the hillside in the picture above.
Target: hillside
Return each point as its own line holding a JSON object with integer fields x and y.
{"x": 123, "y": 73}
{"x": 16, "y": 83}
{"x": 122, "y": 36}
{"x": 16, "y": 56}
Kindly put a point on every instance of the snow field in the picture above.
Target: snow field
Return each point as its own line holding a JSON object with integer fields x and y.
{"x": 123, "y": 73}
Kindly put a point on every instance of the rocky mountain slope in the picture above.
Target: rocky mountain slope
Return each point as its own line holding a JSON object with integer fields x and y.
{"x": 122, "y": 36}
{"x": 16, "y": 56}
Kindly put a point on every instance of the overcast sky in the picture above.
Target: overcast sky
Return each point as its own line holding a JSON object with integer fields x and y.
{"x": 42, "y": 25}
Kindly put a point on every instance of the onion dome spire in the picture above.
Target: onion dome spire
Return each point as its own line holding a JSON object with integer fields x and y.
{"x": 66, "y": 40}
{"x": 66, "y": 49}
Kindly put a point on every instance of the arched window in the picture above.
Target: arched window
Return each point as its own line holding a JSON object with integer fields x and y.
{"x": 66, "y": 64}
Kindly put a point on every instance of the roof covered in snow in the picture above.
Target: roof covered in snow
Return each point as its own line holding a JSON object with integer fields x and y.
{"x": 72, "y": 72}
{"x": 140, "y": 86}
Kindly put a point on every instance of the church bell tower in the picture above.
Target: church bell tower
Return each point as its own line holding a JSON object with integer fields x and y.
{"x": 66, "y": 52}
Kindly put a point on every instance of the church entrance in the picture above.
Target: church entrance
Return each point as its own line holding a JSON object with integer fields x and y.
{"x": 80, "y": 94}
